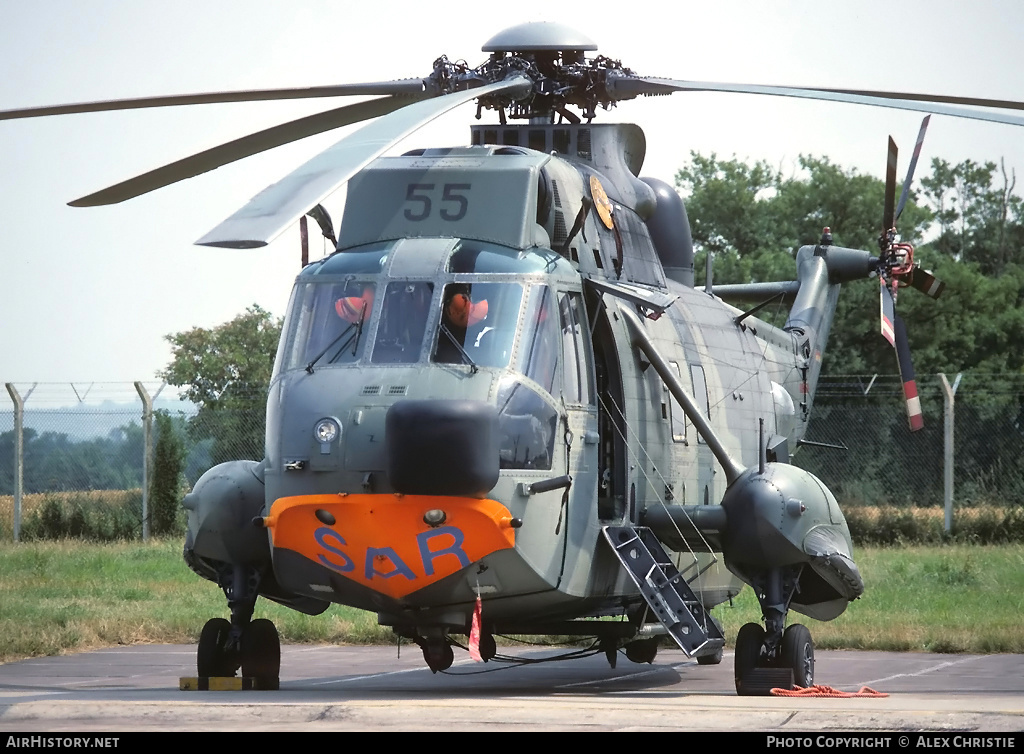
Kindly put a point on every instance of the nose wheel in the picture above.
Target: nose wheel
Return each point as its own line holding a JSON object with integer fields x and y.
{"x": 261, "y": 650}
{"x": 438, "y": 655}
{"x": 252, "y": 645}
{"x": 257, "y": 651}
{"x": 216, "y": 657}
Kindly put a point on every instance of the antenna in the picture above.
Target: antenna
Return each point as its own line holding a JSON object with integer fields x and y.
{"x": 762, "y": 451}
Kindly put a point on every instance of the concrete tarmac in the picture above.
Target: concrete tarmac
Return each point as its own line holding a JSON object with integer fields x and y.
{"x": 373, "y": 688}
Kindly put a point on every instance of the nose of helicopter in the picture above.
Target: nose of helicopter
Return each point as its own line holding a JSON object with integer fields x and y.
{"x": 442, "y": 447}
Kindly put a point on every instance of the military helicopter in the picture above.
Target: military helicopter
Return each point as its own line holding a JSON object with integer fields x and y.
{"x": 501, "y": 406}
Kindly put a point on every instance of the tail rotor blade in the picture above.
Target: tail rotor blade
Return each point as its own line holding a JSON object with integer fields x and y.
{"x": 910, "y": 171}
{"x": 926, "y": 282}
{"x": 887, "y": 314}
{"x": 907, "y": 377}
{"x": 888, "y": 217}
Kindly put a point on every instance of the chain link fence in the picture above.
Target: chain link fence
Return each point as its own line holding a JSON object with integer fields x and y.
{"x": 84, "y": 458}
{"x": 884, "y": 463}
{"x": 84, "y": 452}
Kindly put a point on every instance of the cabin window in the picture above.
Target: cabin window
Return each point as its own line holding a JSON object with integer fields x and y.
{"x": 678, "y": 416}
{"x": 700, "y": 394}
{"x": 403, "y": 323}
{"x": 478, "y": 323}
{"x": 326, "y": 323}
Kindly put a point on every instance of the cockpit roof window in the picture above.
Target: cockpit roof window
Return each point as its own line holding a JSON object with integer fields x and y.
{"x": 480, "y": 257}
{"x": 362, "y": 260}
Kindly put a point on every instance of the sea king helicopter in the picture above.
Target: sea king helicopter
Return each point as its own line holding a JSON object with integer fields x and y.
{"x": 502, "y": 406}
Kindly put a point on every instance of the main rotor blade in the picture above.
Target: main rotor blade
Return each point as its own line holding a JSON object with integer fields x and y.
{"x": 246, "y": 146}
{"x": 890, "y": 187}
{"x": 621, "y": 86}
{"x": 910, "y": 170}
{"x": 399, "y": 86}
{"x": 278, "y": 206}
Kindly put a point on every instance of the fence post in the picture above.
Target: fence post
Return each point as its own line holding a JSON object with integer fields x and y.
{"x": 19, "y": 455}
{"x": 948, "y": 393}
{"x": 147, "y": 454}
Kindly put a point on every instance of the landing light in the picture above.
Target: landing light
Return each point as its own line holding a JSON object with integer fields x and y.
{"x": 326, "y": 431}
{"x": 434, "y": 517}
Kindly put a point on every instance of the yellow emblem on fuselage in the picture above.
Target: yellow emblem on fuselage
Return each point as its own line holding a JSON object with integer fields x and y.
{"x": 601, "y": 202}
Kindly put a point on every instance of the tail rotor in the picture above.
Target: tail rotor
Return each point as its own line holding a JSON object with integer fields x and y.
{"x": 896, "y": 268}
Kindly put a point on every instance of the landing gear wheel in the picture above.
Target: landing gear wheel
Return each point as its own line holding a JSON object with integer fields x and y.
{"x": 642, "y": 650}
{"x": 749, "y": 641}
{"x": 712, "y": 658}
{"x": 261, "y": 650}
{"x": 488, "y": 647}
{"x": 798, "y": 654}
{"x": 213, "y": 659}
{"x": 439, "y": 656}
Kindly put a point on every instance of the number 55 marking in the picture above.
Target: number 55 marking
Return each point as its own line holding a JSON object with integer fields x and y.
{"x": 453, "y": 200}
{"x": 461, "y": 202}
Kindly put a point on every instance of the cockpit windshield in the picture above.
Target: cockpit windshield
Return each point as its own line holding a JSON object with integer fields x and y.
{"x": 326, "y": 323}
{"x": 478, "y": 323}
{"x": 348, "y": 309}
{"x": 403, "y": 322}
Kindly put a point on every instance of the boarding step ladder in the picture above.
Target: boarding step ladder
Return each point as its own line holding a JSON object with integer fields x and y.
{"x": 665, "y": 589}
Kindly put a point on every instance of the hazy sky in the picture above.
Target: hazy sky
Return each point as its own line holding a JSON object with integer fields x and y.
{"x": 88, "y": 294}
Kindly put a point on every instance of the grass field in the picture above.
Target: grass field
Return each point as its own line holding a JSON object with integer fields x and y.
{"x": 68, "y": 596}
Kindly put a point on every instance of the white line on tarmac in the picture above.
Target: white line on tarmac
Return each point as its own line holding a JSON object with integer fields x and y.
{"x": 931, "y": 669}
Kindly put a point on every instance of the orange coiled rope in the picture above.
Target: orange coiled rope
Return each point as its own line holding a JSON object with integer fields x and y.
{"x": 827, "y": 691}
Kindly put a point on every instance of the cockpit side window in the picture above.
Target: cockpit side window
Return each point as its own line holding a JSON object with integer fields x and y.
{"x": 326, "y": 323}
{"x": 403, "y": 322}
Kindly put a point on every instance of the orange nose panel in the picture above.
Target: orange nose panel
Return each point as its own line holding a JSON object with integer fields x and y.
{"x": 382, "y": 541}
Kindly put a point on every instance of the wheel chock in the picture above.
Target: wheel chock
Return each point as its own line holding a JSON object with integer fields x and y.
{"x": 220, "y": 683}
{"x": 761, "y": 681}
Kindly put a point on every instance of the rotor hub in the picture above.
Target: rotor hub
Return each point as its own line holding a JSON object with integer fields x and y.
{"x": 539, "y": 36}
{"x": 552, "y": 56}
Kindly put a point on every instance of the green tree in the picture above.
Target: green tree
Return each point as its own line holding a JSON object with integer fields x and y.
{"x": 226, "y": 371}
{"x": 753, "y": 219}
{"x": 166, "y": 486}
{"x": 980, "y": 218}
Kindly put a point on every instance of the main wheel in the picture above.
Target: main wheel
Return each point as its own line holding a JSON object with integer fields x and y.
{"x": 749, "y": 642}
{"x": 212, "y": 658}
{"x": 712, "y": 658}
{"x": 261, "y": 650}
{"x": 642, "y": 650}
{"x": 798, "y": 653}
